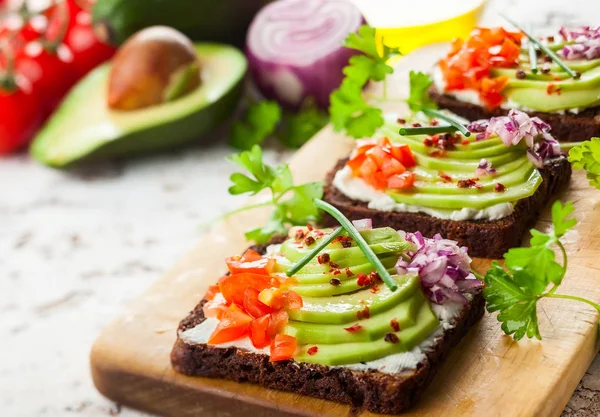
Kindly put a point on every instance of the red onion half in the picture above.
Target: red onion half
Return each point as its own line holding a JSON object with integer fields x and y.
{"x": 295, "y": 50}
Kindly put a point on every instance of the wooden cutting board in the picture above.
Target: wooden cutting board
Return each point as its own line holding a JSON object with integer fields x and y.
{"x": 488, "y": 374}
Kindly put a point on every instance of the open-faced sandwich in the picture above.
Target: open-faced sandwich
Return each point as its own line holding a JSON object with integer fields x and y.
{"x": 355, "y": 315}
{"x": 556, "y": 78}
{"x": 482, "y": 191}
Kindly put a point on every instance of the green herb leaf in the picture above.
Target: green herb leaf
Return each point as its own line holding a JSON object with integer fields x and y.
{"x": 293, "y": 205}
{"x": 587, "y": 156}
{"x": 559, "y": 218}
{"x": 260, "y": 122}
{"x": 348, "y": 110}
{"x": 299, "y": 127}
{"x": 419, "y": 97}
{"x": 516, "y": 304}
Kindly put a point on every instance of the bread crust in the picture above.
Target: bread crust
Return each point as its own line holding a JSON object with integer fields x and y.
{"x": 568, "y": 127}
{"x": 484, "y": 238}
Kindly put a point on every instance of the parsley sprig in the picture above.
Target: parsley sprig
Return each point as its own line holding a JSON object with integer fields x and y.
{"x": 420, "y": 101}
{"x": 531, "y": 274}
{"x": 293, "y": 204}
{"x": 266, "y": 118}
{"x": 587, "y": 156}
{"x": 348, "y": 109}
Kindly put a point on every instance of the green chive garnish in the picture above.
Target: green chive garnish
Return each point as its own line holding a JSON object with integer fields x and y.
{"x": 360, "y": 242}
{"x": 313, "y": 253}
{"x": 427, "y": 130}
{"x": 454, "y": 122}
{"x": 546, "y": 50}
{"x": 532, "y": 56}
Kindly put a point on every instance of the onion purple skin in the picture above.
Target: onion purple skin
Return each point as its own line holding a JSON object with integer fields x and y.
{"x": 317, "y": 80}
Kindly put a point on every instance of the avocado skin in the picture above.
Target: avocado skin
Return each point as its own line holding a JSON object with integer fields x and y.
{"x": 204, "y": 20}
{"x": 48, "y": 145}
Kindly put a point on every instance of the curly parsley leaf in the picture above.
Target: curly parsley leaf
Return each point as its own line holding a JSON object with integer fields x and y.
{"x": 419, "y": 98}
{"x": 299, "y": 127}
{"x": 587, "y": 156}
{"x": 293, "y": 204}
{"x": 260, "y": 122}
{"x": 514, "y": 292}
{"x": 348, "y": 109}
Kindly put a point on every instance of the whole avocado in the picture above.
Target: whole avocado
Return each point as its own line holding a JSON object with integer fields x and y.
{"x": 206, "y": 20}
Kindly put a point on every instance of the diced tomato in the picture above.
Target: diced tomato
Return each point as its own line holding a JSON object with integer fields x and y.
{"x": 211, "y": 292}
{"x": 259, "y": 334}
{"x": 250, "y": 262}
{"x": 377, "y": 155}
{"x": 277, "y": 323}
{"x": 214, "y": 309}
{"x": 253, "y": 305}
{"x": 233, "y": 324}
{"x": 402, "y": 181}
{"x": 404, "y": 155}
{"x": 283, "y": 347}
{"x": 368, "y": 168}
{"x": 356, "y": 162}
{"x": 278, "y": 299}
{"x": 384, "y": 142}
{"x": 379, "y": 181}
{"x": 233, "y": 286}
{"x": 392, "y": 167}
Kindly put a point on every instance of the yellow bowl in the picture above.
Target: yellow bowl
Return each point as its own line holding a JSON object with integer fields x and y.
{"x": 412, "y": 24}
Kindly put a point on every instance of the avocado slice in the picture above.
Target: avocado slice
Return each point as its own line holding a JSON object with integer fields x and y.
{"x": 339, "y": 310}
{"x": 84, "y": 127}
{"x": 355, "y": 352}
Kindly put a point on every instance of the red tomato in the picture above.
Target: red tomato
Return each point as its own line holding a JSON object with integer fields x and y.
{"x": 356, "y": 162}
{"x": 404, "y": 155}
{"x": 253, "y": 305}
{"x": 88, "y": 51}
{"x": 377, "y": 155}
{"x": 402, "y": 181}
{"x": 211, "y": 292}
{"x": 392, "y": 167}
{"x": 233, "y": 324}
{"x": 49, "y": 74}
{"x": 278, "y": 299}
{"x": 282, "y": 348}
{"x": 233, "y": 286}
{"x": 214, "y": 309}
{"x": 277, "y": 323}
{"x": 258, "y": 332}
{"x": 21, "y": 116}
{"x": 250, "y": 262}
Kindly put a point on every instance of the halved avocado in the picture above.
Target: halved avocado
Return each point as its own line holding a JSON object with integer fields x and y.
{"x": 84, "y": 127}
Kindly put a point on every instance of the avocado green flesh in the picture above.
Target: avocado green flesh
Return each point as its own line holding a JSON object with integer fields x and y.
{"x": 328, "y": 309}
{"x": 83, "y": 127}
{"x": 556, "y": 90}
{"x": 513, "y": 170}
{"x": 355, "y": 352}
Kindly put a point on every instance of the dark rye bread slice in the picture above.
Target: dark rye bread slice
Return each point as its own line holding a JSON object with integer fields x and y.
{"x": 370, "y": 390}
{"x": 568, "y": 127}
{"x": 484, "y": 238}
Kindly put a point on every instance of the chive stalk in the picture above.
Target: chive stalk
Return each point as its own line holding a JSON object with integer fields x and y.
{"x": 313, "y": 253}
{"x": 360, "y": 242}
{"x": 573, "y": 74}
{"x": 532, "y": 56}
{"x": 427, "y": 130}
{"x": 454, "y": 122}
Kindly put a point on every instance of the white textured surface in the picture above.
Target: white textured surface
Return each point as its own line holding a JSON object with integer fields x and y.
{"x": 75, "y": 247}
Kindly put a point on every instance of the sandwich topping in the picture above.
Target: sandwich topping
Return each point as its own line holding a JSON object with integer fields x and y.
{"x": 448, "y": 175}
{"x": 335, "y": 310}
{"x": 492, "y": 68}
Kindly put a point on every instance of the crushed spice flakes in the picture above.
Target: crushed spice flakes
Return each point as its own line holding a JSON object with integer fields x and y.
{"x": 335, "y": 282}
{"x": 468, "y": 183}
{"x": 364, "y": 313}
{"x": 499, "y": 188}
{"x": 391, "y": 338}
{"x": 394, "y": 325}
{"x": 312, "y": 350}
{"x": 354, "y": 328}
{"x": 323, "y": 258}
{"x": 309, "y": 241}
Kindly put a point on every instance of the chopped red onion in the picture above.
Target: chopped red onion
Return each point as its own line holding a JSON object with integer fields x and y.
{"x": 295, "y": 50}
{"x": 587, "y": 42}
{"x": 515, "y": 127}
{"x": 444, "y": 267}
{"x": 485, "y": 168}
{"x": 363, "y": 224}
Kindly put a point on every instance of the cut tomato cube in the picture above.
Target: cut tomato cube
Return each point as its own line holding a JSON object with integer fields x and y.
{"x": 233, "y": 286}
{"x": 278, "y": 299}
{"x": 211, "y": 292}
{"x": 214, "y": 309}
{"x": 355, "y": 163}
{"x": 251, "y": 256}
{"x": 259, "y": 335}
{"x": 378, "y": 180}
{"x": 233, "y": 324}
{"x": 283, "y": 347}
{"x": 404, "y": 155}
{"x": 368, "y": 168}
{"x": 392, "y": 167}
{"x": 253, "y": 305}
{"x": 377, "y": 155}
{"x": 402, "y": 181}
{"x": 277, "y": 323}
{"x": 262, "y": 266}
{"x": 384, "y": 142}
